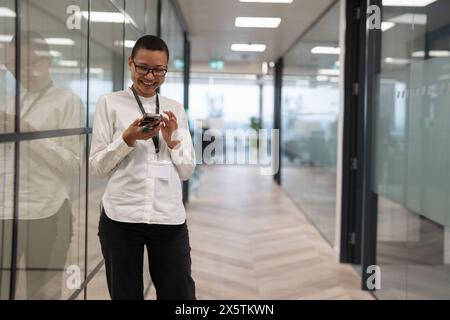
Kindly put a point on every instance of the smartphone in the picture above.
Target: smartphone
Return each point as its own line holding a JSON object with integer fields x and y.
{"x": 150, "y": 120}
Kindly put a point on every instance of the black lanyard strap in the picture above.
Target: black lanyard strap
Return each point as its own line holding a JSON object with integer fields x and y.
{"x": 141, "y": 107}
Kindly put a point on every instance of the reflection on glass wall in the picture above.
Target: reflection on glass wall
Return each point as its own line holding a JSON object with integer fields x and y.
{"x": 6, "y": 210}
{"x": 107, "y": 66}
{"x": 7, "y": 56}
{"x": 51, "y": 175}
{"x": 267, "y": 102}
{"x": 7, "y": 114}
{"x": 172, "y": 34}
{"x": 412, "y": 154}
{"x": 310, "y": 106}
{"x": 106, "y": 53}
{"x": 51, "y": 215}
{"x": 138, "y": 12}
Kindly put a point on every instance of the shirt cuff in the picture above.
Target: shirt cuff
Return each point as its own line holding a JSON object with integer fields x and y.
{"x": 121, "y": 148}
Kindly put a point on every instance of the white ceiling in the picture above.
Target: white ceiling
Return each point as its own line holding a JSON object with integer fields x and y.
{"x": 211, "y": 27}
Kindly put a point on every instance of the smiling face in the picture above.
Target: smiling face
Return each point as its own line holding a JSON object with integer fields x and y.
{"x": 146, "y": 84}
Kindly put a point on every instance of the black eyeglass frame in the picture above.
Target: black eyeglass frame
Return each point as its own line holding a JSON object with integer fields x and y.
{"x": 148, "y": 69}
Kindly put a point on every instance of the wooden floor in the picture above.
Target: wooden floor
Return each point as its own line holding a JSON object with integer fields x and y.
{"x": 249, "y": 241}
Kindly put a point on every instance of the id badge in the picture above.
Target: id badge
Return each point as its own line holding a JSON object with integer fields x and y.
{"x": 160, "y": 169}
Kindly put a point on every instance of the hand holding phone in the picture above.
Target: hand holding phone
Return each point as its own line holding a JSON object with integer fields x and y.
{"x": 150, "y": 120}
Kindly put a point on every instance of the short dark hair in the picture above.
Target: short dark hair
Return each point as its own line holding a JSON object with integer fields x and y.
{"x": 150, "y": 42}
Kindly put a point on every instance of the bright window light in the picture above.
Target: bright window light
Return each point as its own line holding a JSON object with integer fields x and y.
{"x": 268, "y": 1}
{"x": 248, "y": 47}
{"x": 407, "y": 3}
{"x": 386, "y": 25}
{"x": 418, "y": 54}
{"x": 111, "y": 17}
{"x": 60, "y": 41}
{"x": 265, "y": 68}
{"x": 329, "y": 72}
{"x": 439, "y": 53}
{"x": 256, "y": 22}
{"x": 325, "y": 50}
{"x": 391, "y": 60}
{"x": 7, "y": 13}
{"x": 96, "y": 70}
{"x": 68, "y": 63}
{"x": 409, "y": 18}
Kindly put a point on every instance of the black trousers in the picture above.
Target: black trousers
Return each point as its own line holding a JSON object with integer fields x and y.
{"x": 169, "y": 256}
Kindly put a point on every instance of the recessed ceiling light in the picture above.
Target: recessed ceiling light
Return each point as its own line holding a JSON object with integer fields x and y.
{"x": 68, "y": 63}
{"x": 439, "y": 53}
{"x": 128, "y": 43}
{"x": 51, "y": 53}
{"x": 407, "y": 3}
{"x": 7, "y": 12}
{"x": 111, "y": 17}
{"x": 60, "y": 41}
{"x": 325, "y": 50}
{"x": 248, "y": 47}
{"x": 268, "y": 1}
{"x": 257, "y": 22}
{"x": 5, "y": 37}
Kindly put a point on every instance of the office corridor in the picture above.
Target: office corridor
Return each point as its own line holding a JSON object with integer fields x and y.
{"x": 249, "y": 241}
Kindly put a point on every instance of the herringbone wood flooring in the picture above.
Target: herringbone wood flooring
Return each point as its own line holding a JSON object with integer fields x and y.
{"x": 249, "y": 241}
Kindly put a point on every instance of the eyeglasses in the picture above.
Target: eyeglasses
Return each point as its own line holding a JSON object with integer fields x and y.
{"x": 144, "y": 70}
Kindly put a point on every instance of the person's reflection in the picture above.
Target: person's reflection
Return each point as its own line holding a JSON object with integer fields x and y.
{"x": 49, "y": 172}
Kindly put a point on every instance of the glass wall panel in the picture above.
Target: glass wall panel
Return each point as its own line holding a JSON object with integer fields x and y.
{"x": 106, "y": 52}
{"x": 411, "y": 152}
{"x": 51, "y": 216}
{"x": 7, "y": 114}
{"x": 267, "y": 102}
{"x": 7, "y": 63}
{"x": 106, "y": 75}
{"x": 310, "y": 107}
{"x": 52, "y": 171}
{"x": 6, "y": 213}
{"x": 53, "y": 67}
{"x": 172, "y": 34}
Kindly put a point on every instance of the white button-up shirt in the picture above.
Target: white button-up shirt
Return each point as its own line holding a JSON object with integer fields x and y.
{"x": 132, "y": 193}
{"x": 49, "y": 168}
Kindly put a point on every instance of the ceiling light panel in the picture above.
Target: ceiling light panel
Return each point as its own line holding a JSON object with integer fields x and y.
{"x": 257, "y": 22}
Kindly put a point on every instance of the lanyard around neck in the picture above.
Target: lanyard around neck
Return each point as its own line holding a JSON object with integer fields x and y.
{"x": 141, "y": 107}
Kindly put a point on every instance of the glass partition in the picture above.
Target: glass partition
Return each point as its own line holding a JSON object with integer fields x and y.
{"x": 7, "y": 114}
{"x": 411, "y": 152}
{"x": 62, "y": 75}
{"x": 310, "y": 107}
{"x": 172, "y": 34}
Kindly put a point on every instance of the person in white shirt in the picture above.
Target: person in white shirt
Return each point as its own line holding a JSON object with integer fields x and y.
{"x": 142, "y": 205}
{"x": 49, "y": 171}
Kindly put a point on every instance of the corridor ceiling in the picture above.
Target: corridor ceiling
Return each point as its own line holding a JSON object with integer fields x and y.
{"x": 212, "y": 30}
